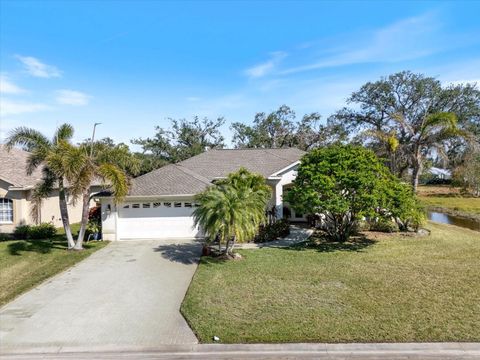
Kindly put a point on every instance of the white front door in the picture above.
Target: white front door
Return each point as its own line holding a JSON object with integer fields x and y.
{"x": 156, "y": 220}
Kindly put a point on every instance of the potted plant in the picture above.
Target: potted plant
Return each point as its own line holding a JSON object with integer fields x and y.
{"x": 94, "y": 229}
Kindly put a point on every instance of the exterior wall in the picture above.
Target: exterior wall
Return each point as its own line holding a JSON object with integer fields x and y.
{"x": 49, "y": 212}
{"x": 21, "y": 209}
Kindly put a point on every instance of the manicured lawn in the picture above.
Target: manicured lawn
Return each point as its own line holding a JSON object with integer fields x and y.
{"x": 26, "y": 263}
{"x": 445, "y": 197}
{"x": 388, "y": 288}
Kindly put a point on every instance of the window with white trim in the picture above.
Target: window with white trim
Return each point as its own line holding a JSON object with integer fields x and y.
{"x": 6, "y": 211}
{"x": 146, "y": 205}
{"x": 177, "y": 204}
{"x": 167, "y": 204}
{"x": 157, "y": 204}
{"x": 126, "y": 207}
{"x": 187, "y": 204}
{"x": 135, "y": 206}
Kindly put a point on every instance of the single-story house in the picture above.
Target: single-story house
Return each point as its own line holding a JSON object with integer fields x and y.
{"x": 160, "y": 203}
{"x": 16, "y": 190}
{"x": 439, "y": 173}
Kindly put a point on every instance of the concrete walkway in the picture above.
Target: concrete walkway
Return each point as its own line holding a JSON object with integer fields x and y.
{"x": 127, "y": 294}
{"x": 297, "y": 235}
{"x": 417, "y": 351}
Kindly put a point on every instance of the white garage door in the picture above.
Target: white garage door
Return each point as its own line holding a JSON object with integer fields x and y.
{"x": 156, "y": 220}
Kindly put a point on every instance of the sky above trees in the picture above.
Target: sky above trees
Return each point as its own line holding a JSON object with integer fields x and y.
{"x": 133, "y": 64}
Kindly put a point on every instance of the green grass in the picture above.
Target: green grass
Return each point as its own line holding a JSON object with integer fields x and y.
{"x": 26, "y": 263}
{"x": 388, "y": 288}
{"x": 449, "y": 199}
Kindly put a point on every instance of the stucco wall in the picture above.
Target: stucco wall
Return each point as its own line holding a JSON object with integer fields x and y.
{"x": 49, "y": 212}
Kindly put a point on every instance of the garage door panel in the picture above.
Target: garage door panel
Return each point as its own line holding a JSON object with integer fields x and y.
{"x": 156, "y": 223}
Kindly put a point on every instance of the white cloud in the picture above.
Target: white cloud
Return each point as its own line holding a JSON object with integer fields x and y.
{"x": 9, "y": 107}
{"x": 8, "y": 87}
{"x": 71, "y": 97}
{"x": 36, "y": 68}
{"x": 267, "y": 67}
{"x": 404, "y": 40}
{"x": 193, "y": 98}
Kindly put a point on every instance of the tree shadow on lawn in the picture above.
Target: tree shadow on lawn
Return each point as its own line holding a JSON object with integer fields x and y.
{"x": 321, "y": 243}
{"x": 186, "y": 253}
{"x": 39, "y": 246}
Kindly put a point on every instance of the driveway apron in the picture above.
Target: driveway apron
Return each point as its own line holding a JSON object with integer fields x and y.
{"x": 128, "y": 293}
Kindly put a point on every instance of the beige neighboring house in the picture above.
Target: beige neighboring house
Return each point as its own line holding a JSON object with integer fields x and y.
{"x": 16, "y": 191}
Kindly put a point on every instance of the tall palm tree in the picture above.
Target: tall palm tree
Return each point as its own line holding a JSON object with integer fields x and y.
{"x": 81, "y": 166}
{"x": 233, "y": 209}
{"x": 41, "y": 150}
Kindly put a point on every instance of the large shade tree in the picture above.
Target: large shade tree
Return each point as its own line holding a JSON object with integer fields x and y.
{"x": 345, "y": 184}
{"x": 232, "y": 209}
{"x": 281, "y": 129}
{"x": 42, "y": 150}
{"x": 183, "y": 140}
{"x": 406, "y": 116}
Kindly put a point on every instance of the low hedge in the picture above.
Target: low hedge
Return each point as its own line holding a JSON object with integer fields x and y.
{"x": 270, "y": 232}
{"x": 41, "y": 231}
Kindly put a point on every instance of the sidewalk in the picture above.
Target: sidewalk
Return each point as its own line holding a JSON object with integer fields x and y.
{"x": 297, "y": 235}
{"x": 372, "y": 351}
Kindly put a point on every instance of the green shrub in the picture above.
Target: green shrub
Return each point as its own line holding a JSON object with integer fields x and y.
{"x": 270, "y": 232}
{"x": 21, "y": 232}
{"x": 42, "y": 231}
{"x": 5, "y": 237}
{"x": 382, "y": 225}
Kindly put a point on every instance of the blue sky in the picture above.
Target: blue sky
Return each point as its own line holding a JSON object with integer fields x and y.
{"x": 133, "y": 64}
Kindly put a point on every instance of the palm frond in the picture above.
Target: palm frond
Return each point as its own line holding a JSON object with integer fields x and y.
{"x": 27, "y": 138}
{"x": 63, "y": 133}
{"x": 117, "y": 180}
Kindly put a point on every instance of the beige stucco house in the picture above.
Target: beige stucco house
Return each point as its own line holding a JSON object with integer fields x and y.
{"x": 160, "y": 204}
{"x": 16, "y": 191}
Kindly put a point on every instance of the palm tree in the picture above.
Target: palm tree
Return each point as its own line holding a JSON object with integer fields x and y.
{"x": 234, "y": 208}
{"x": 80, "y": 165}
{"x": 429, "y": 134}
{"x": 41, "y": 150}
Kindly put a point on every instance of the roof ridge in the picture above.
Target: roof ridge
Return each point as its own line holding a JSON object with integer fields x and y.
{"x": 193, "y": 173}
{"x": 280, "y": 157}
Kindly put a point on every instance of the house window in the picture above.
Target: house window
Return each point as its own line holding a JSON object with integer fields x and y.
{"x": 6, "y": 210}
{"x": 146, "y": 205}
{"x": 196, "y": 205}
{"x": 188, "y": 204}
{"x": 135, "y": 206}
{"x": 126, "y": 207}
{"x": 167, "y": 204}
{"x": 177, "y": 204}
{"x": 157, "y": 204}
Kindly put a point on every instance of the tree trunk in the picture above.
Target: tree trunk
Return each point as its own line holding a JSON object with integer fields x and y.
{"x": 84, "y": 220}
{"x": 230, "y": 245}
{"x": 416, "y": 170}
{"x": 62, "y": 200}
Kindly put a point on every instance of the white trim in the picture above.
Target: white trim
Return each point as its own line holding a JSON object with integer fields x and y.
{"x": 274, "y": 176}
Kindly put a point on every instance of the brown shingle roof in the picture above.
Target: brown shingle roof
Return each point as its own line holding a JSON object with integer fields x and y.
{"x": 13, "y": 165}
{"x": 13, "y": 169}
{"x": 195, "y": 174}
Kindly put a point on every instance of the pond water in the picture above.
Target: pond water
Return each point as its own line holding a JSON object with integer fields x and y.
{"x": 453, "y": 220}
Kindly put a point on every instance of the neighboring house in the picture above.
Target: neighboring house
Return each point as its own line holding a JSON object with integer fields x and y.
{"x": 16, "y": 191}
{"x": 439, "y": 173}
{"x": 160, "y": 204}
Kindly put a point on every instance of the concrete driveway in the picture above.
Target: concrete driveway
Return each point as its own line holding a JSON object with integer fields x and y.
{"x": 128, "y": 293}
